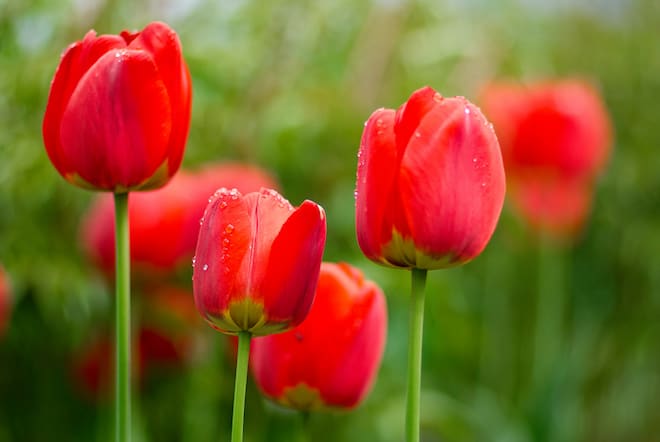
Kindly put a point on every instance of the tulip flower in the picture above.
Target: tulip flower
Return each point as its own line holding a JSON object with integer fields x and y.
{"x": 430, "y": 183}
{"x": 118, "y": 111}
{"x": 5, "y": 301}
{"x": 430, "y": 189}
{"x": 555, "y": 138}
{"x": 117, "y": 120}
{"x": 164, "y": 222}
{"x": 331, "y": 359}
{"x": 255, "y": 270}
{"x": 257, "y": 261}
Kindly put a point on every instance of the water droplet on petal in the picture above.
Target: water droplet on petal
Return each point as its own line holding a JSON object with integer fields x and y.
{"x": 229, "y": 228}
{"x": 223, "y": 205}
{"x": 206, "y": 267}
{"x": 194, "y": 260}
{"x": 467, "y": 111}
{"x": 417, "y": 134}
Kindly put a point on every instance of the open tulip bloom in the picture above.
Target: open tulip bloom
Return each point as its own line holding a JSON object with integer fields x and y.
{"x": 430, "y": 189}
{"x": 117, "y": 120}
{"x": 255, "y": 270}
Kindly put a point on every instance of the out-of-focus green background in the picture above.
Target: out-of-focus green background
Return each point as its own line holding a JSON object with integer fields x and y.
{"x": 288, "y": 85}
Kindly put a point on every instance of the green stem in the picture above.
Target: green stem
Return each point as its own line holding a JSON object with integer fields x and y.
{"x": 240, "y": 385}
{"x": 122, "y": 321}
{"x": 415, "y": 354}
{"x": 550, "y": 306}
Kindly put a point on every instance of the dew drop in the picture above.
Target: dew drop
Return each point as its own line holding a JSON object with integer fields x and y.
{"x": 229, "y": 228}
{"x": 437, "y": 97}
{"x": 379, "y": 123}
{"x": 194, "y": 260}
{"x": 201, "y": 221}
{"x": 483, "y": 184}
{"x": 223, "y": 205}
{"x": 467, "y": 111}
{"x": 206, "y": 267}
{"x": 417, "y": 134}
{"x": 474, "y": 160}
{"x": 225, "y": 242}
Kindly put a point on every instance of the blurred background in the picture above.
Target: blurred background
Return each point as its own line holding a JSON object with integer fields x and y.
{"x": 287, "y": 86}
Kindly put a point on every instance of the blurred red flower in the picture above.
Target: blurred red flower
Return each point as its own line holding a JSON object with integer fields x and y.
{"x": 257, "y": 261}
{"x": 118, "y": 111}
{"x": 164, "y": 223}
{"x": 430, "y": 183}
{"x": 5, "y": 301}
{"x": 555, "y": 138}
{"x": 332, "y": 358}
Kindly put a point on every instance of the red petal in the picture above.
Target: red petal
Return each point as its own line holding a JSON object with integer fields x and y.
{"x": 293, "y": 265}
{"x": 376, "y": 175}
{"x": 411, "y": 113}
{"x": 116, "y": 126}
{"x": 452, "y": 181}
{"x": 224, "y": 240}
{"x": 164, "y": 46}
{"x": 76, "y": 60}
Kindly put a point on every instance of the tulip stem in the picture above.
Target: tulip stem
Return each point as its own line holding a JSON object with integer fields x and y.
{"x": 415, "y": 354}
{"x": 122, "y": 321}
{"x": 240, "y": 385}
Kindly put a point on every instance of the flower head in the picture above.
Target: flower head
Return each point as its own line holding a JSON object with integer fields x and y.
{"x": 555, "y": 138}
{"x": 118, "y": 111}
{"x": 430, "y": 183}
{"x": 332, "y": 358}
{"x": 257, "y": 261}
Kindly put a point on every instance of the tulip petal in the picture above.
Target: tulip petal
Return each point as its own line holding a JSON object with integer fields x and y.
{"x": 224, "y": 240}
{"x": 164, "y": 46}
{"x": 76, "y": 60}
{"x": 376, "y": 177}
{"x": 294, "y": 264}
{"x": 411, "y": 113}
{"x": 454, "y": 166}
{"x": 116, "y": 126}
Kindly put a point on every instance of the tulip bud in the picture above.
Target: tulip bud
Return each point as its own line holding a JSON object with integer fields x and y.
{"x": 332, "y": 358}
{"x": 257, "y": 261}
{"x": 118, "y": 111}
{"x": 430, "y": 183}
{"x": 555, "y": 138}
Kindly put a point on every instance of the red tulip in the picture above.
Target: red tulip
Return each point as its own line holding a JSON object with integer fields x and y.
{"x": 5, "y": 301}
{"x": 164, "y": 222}
{"x": 331, "y": 359}
{"x": 430, "y": 183}
{"x": 119, "y": 110}
{"x": 555, "y": 139}
{"x": 257, "y": 261}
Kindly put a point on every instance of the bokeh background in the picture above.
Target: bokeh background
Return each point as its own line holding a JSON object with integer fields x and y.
{"x": 287, "y": 85}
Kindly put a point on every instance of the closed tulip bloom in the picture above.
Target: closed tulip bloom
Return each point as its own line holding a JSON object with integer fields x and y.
{"x": 555, "y": 138}
{"x": 257, "y": 261}
{"x": 430, "y": 183}
{"x": 118, "y": 111}
{"x": 332, "y": 358}
{"x": 164, "y": 222}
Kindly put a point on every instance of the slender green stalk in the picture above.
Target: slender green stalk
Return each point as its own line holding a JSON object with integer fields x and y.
{"x": 240, "y": 385}
{"x": 415, "y": 354}
{"x": 122, "y": 321}
{"x": 550, "y": 306}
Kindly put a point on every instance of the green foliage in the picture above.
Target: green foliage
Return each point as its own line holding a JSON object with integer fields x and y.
{"x": 287, "y": 85}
